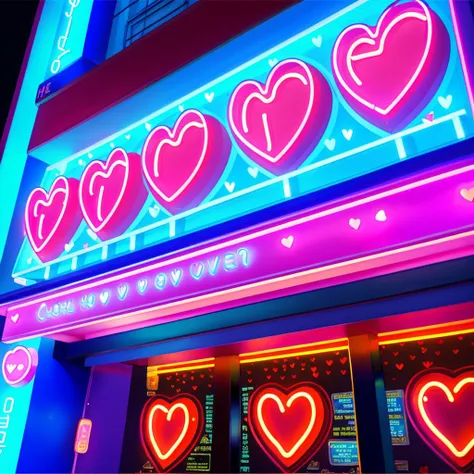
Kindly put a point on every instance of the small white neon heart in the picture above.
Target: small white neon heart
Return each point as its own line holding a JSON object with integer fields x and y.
{"x": 91, "y": 234}
{"x": 354, "y": 223}
{"x": 148, "y": 126}
{"x": 318, "y": 41}
{"x": 209, "y": 96}
{"x": 20, "y": 367}
{"x": 330, "y": 143}
{"x": 347, "y": 134}
{"x": 253, "y": 171}
{"x": 468, "y": 194}
{"x": 381, "y": 216}
{"x": 11, "y": 368}
{"x": 230, "y": 186}
{"x": 104, "y": 297}
{"x": 15, "y": 318}
{"x": 154, "y": 211}
{"x": 181, "y": 108}
{"x": 272, "y": 62}
{"x": 68, "y": 247}
{"x": 288, "y": 241}
{"x": 445, "y": 102}
{"x": 128, "y": 136}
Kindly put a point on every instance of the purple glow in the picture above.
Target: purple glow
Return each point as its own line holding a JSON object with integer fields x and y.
{"x": 434, "y": 207}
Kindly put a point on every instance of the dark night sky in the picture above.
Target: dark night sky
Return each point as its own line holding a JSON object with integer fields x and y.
{"x": 16, "y": 21}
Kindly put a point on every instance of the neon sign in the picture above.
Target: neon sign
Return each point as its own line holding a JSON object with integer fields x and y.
{"x": 369, "y": 70}
{"x": 68, "y": 45}
{"x": 201, "y": 146}
{"x": 170, "y": 428}
{"x": 83, "y": 435}
{"x": 19, "y": 366}
{"x": 278, "y": 254}
{"x": 51, "y": 218}
{"x": 111, "y": 194}
{"x": 440, "y": 406}
{"x": 290, "y": 424}
{"x": 278, "y": 124}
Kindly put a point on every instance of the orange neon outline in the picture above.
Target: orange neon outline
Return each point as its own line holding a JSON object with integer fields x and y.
{"x": 297, "y": 346}
{"x": 421, "y": 334}
{"x": 422, "y": 398}
{"x": 281, "y": 407}
{"x": 179, "y": 364}
{"x": 182, "y": 369}
{"x": 182, "y": 406}
{"x": 82, "y": 422}
{"x": 293, "y": 354}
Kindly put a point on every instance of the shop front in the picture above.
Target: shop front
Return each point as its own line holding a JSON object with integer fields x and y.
{"x": 259, "y": 263}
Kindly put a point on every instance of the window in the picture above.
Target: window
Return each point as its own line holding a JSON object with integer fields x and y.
{"x": 133, "y": 19}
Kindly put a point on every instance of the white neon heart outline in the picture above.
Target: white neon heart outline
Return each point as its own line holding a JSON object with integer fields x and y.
{"x": 289, "y": 402}
{"x": 125, "y": 161}
{"x": 11, "y": 368}
{"x": 49, "y": 200}
{"x": 28, "y": 367}
{"x": 169, "y": 415}
{"x": 431, "y": 426}
{"x": 379, "y": 51}
{"x": 175, "y": 143}
{"x": 261, "y": 97}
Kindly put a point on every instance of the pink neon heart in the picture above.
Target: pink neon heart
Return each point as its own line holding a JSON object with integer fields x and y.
{"x": 19, "y": 366}
{"x": 183, "y": 164}
{"x": 52, "y": 217}
{"x": 111, "y": 193}
{"x": 279, "y": 123}
{"x": 389, "y": 73}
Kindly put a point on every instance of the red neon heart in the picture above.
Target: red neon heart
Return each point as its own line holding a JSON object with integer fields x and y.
{"x": 52, "y": 217}
{"x": 389, "y": 73}
{"x": 290, "y": 424}
{"x": 170, "y": 428}
{"x": 440, "y": 404}
{"x": 182, "y": 165}
{"x": 279, "y": 123}
{"x": 111, "y": 193}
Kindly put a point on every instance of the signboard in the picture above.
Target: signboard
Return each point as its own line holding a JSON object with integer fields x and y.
{"x": 18, "y": 369}
{"x": 361, "y": 230}
{"x": 80, "y": 43}
{"x": 306, "y": 115}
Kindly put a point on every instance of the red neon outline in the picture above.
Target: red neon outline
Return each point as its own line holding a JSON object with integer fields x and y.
{"x": 315, "y": 434}
{"x": 451, "y": 383}
{"x": 165, "y": 462}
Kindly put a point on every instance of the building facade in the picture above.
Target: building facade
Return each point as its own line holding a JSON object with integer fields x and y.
{"x": 238, "y": 237}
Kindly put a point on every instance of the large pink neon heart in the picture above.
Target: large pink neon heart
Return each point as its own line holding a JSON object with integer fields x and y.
{"x": 279, "y": 123}
{"x": 183, "y": 165}
{"x": 389, "y": 73}
{"x": 19, "y": 366}
{"x": 52, "y": 217}
{"x": 111, "y": 193}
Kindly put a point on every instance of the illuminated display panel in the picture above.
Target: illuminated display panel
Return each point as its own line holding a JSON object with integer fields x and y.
{"x": 170, "y": 421}
{"x": 437, "y": 377}
{"x": 239, "y": 147}
{"x": 291, "y": 414}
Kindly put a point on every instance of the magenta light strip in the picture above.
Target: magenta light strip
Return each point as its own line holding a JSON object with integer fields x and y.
{"x": 408, "y": 214}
